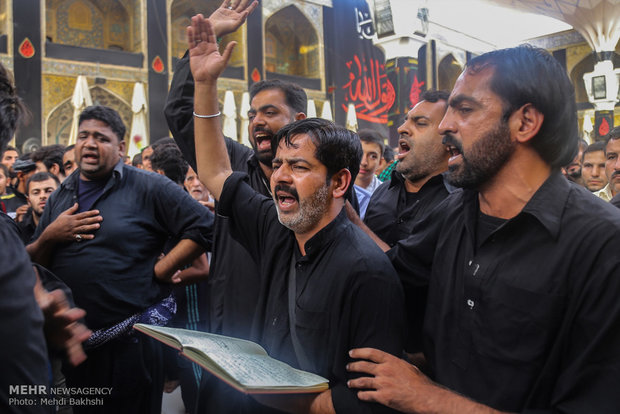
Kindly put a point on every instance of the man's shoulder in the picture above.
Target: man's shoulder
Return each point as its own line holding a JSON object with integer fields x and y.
{"x": 584, "y": 207}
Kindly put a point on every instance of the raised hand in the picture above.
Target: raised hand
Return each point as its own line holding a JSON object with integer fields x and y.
{"x": 229, "y": 17}
{"x": 206, "y": 62}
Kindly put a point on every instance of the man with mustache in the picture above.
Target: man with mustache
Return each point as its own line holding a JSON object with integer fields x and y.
{"x": 612, "y": 165}
{"x": 102, "y": 233}
{"x": 520, "y": 318}
{"x": 323, "y": 284}
{"x": 593, "y": 167}
{"x": 233, "y": 287}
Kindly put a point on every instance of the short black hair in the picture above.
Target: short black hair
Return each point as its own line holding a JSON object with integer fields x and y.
{"x": 107, "y": 115}
{"x": 11, "y": 148}
{"x": 50, "y": 155}
{"x": 6, "y": 171}
{"x": 41, "y": 176}
{"x": 168, "y": 158}
{"x": 435, "y": 95}
{"x": 137, "y": 159}
{"x": 296, "y": 97}
{"x": 527, "y": 74}
{"x": 336, "y": 147}
{"x": 12, "y": 109}
{"x": 594, "y": 147}
{"x": 372, "y": 136}
{"x": 613, "y": 135}
{"x": 68, "y": 148}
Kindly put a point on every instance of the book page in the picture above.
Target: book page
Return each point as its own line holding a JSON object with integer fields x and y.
{"x": 206, "y": 342}
{"x": 259, "y": 371}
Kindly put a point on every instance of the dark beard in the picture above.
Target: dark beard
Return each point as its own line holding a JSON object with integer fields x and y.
{"x": 484, "y": 159}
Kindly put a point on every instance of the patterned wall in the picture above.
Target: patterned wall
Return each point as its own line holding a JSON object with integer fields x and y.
{"x": 291, "y": 44}
{"x": 104, "y": 24}
{"x": 58, "y": 111}
{"x": 181, "y": 13}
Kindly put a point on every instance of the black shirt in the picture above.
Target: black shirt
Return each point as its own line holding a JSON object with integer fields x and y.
{"x": 390, "y": 215}
{"x": 27, "y": 227}
{"x": 24, "y": 356}
{"x": 347, "y": 294}
{"x": 530, "y": 320}
{"x": 111, "y": 276}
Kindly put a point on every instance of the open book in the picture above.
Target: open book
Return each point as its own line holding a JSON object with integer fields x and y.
{"x": 242, "y": 364}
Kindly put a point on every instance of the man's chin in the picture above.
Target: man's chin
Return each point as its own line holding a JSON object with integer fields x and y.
{"x": 264, "y": 157}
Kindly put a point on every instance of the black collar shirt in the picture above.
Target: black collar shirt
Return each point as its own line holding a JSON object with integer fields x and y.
{"x": 529, "y": 321}
{"x": 347, "y": 293}
{"x": 391, "y": 214}
{"x": 391, "y": 217}
{"x": 111, "y": 276}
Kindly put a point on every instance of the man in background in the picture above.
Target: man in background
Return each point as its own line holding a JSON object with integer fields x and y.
{"x": 593, "y": 167}
{"x": 40, "y": 186}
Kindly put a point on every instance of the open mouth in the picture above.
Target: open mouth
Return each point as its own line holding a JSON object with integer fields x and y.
{"x": 286, "y": 198}
{"x": 263, "y": 140}
{"x": 453, "y": 147}
{"x": 403, "y": 149}
{"x": 285, "y": 201}
{"x": 90, "y": 158}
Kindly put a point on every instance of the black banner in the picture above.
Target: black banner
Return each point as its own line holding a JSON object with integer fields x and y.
{"x": 358, "y": 68}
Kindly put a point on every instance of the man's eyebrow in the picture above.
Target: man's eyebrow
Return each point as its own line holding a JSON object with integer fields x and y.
{"x": 266, "y": 107}
{"x": 459, "y": 99}
{"x": 417, "y": 118}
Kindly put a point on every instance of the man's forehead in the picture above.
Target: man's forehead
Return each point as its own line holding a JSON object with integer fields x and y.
{"x": 371, "y": 146}
{"x": 472, "y": 85}
{"x": 92, "y": 125}
{"x": 594, "y": 155}
{"x": 428, "y": 110}
{"x": 613, "y": 145}
{"x": 43, "y": 184}
{"x": 299, "y": 143}
{"x": 268, "y": 97}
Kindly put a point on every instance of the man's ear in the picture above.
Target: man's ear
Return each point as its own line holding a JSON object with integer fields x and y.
{"x": 300, "y": 115}
{"x": 28, "y": 201}
{"x": 341, "y": 182}
{"x": 54, "y": 169}
{"x": 121, "y": 147}
{"x": 525, "y": 123}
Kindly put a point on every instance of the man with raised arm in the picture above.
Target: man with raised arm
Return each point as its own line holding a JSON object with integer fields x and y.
{"x": 520, "y": 318}
{"x": 323, "y": 283}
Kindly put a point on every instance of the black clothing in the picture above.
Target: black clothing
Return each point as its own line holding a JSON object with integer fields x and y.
{"x": 347, "y": 294}
{"x": 111, "y": 276}
{"x": 11, "y": 201}
{"x": 233, "y": 286}
{"x": 27, "y": 227}
{"x": 530, "y": 320}
{"x": 616, "y": 200}
{"x": 391, "y": 217}
{"x": 131, "y": 366}
{"x": 391, "y": 214}
{"x": 24, "y": 355}
{"x": 88, "y": 192}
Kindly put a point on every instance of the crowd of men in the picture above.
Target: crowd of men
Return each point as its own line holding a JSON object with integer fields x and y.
{"x": 475, "y": 272}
